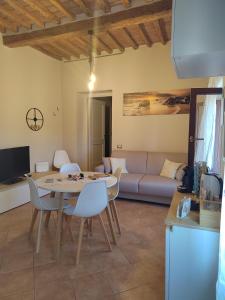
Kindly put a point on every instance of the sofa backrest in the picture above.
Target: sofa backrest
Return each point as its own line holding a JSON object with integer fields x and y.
{"x": 156, "y": 160}
{"x": 136, "y": 161}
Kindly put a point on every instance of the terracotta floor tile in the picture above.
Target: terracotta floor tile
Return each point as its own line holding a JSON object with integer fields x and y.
{"x": 16, "y": 282}
{"x": 92, "y": 287}
{"x": 28, "y": 296}
{"x": 50, "y": 272}
{"x": 132, "y": 276}
{"x": 22, "y": 296}
{"x": 12, "y": 297}
{"x": 134, "y": 270}
{"x": 141, "y": 293}
{"x": 16, "y": 261}
{"x": 57, "y": 290}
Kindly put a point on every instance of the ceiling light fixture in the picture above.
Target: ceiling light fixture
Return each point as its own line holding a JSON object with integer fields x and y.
{"x": 92, "y": 77}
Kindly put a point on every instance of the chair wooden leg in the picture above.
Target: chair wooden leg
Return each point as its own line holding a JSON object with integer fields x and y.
{"x": 34, "y": 217}
{"x": 112, "y": 211}
{"x": 109, "y": 217}
{"x": 68, "y": 220}
{"x": 47, "y": 218}
{"x": 80, "y": 240}
{"x": 105, "y": 233}
{"x": 39, "y": 231}
{"x": 62, "y": 232}
{"x": 115, "y": 213}
{"x": 86, "y": 224}
{"x": 91, "y": 226}
{"x": 59, "y": 227}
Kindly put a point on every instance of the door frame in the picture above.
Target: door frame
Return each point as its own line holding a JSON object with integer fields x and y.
{"x": 192, "y": 118}
{"x": 97, "y": 94}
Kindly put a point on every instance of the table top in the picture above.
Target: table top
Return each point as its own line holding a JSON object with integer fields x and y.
{"x": 61, "y": 183}
{"x": 192, "y": 220}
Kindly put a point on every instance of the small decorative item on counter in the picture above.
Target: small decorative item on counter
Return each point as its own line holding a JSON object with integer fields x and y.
{"x": 74, "y": 177}
{"x": 183, "y": 208}
{"x": 199, "y": 169}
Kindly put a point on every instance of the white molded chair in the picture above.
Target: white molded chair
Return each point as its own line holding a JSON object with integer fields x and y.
{"x": 60, "y": 158}
{"x": 69, "y": 168}
{"x": 41, "y": 205}
{"x": 91, "y": 202}
{"x": 112, "y": 194}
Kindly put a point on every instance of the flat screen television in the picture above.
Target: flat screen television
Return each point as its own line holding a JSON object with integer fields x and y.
{"x": 14, "y": 163}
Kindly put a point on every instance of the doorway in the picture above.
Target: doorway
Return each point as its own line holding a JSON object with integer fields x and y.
{"x": 100, "y": 129}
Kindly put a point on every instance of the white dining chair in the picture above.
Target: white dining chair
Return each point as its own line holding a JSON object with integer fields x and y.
{"x": 112, "y": 194}
{"x": 91, "y": 202}
{"x": 60, "y": 158}
{"x": 68, "y": 168}
{"x": 41, "y": 205}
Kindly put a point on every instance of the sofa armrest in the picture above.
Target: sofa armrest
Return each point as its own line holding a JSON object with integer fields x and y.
{"x": 100, "y": 168}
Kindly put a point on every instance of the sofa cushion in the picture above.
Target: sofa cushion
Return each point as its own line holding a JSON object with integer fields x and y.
{"x": 157, "y": 186}
{"x": 107, "y": 164}
{"x": 169, "y": 169}
{"x": 136, "y": 161}
{"x": 118, "y": 163}
{"x": 129, "y": 182}
{"x": 156, "y": 160}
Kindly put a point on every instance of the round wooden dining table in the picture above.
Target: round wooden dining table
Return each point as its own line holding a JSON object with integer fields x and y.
{"x": 61, "y": 184}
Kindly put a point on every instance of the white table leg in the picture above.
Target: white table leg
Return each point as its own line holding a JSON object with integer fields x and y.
{"x": 59, "y": 225}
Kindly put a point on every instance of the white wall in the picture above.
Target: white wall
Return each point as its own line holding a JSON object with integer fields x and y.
{"x": 145, "y": 69}
{"x": 30, "y": 79}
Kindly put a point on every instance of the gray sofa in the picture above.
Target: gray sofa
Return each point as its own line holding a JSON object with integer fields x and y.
{"x": 143, "y": 181}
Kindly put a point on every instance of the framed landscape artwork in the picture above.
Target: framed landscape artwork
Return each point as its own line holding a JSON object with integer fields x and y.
{"x": 157, "y": 103}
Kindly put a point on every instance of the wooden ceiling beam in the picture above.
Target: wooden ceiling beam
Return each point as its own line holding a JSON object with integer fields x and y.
{"x": 115, "y": 40}
{"x": 47, "y": 52}
{"x": 63, "y": 52}
{"x": 69, "y": 48}
{"x": 145, "y": 35}
{"x": 104, "y": 5}
{"x": 131, "y": 38}
{"x": 118, "y": 20}
{"x": 8, "y": 25}
{"x": 13, "y": 17}
{"x": 25, "y": 12}
{"x": 83, "y": 49}
{"x": 88, "y": 46}
{"x": 127, "y": 3}
{"x": 44, "y": 11}
{"x": 103, "y": 44}
{"x": 81, "y": 4}
{"x": 160, "y": 32}
{"x": 2, "y": 29}
{"x": 66, "y": 12}
{"x": 51, "y": 49}
{"x": 82, "y": 42}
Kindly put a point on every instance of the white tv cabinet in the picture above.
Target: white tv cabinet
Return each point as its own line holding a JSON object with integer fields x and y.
{"x": 191, "y": 257}
{"x": 16, "y": 194}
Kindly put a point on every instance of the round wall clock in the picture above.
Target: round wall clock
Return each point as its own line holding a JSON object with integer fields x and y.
{"x": 34, "y": 119}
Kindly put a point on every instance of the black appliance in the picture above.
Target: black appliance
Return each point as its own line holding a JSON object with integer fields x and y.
{"x": 14, "y": 163}
{"x": 187, "y": 181}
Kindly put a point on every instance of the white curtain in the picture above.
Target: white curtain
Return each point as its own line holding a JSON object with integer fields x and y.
{"x": 205, "y": 149}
